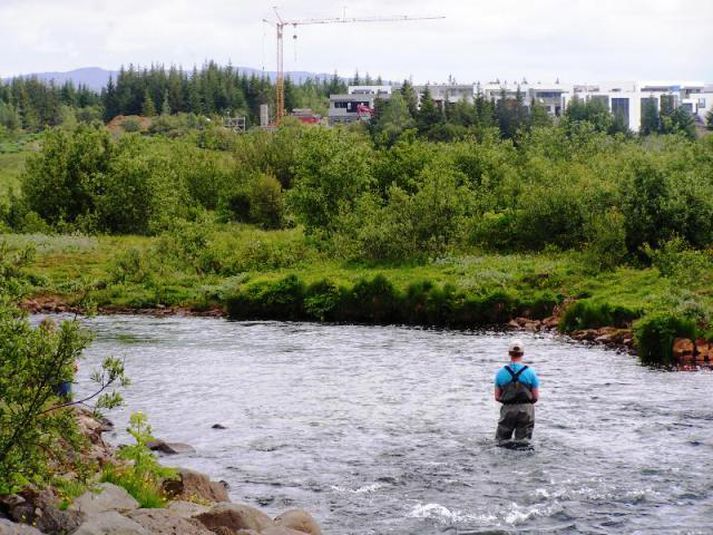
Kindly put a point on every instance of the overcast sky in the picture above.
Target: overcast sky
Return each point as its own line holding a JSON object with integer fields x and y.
{"x": 573, "y": 40}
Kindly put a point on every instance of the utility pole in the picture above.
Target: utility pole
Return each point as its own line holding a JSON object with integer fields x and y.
{"x": 279, "y": 23}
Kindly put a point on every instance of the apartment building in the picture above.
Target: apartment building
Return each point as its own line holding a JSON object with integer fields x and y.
{"x": 625, "y": 98}
{"x": 357, "y": 104}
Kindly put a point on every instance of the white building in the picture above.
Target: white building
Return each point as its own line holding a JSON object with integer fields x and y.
{"x": 625, "y": 99}
{"x": 357, "y": 104}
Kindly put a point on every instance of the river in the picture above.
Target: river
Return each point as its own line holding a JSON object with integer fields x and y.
{"x": 389, "y": 430}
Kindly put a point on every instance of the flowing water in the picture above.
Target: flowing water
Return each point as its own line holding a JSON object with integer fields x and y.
{"x": 390, "y": 430}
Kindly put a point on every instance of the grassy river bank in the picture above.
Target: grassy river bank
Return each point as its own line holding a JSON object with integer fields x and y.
{"x": 278, "y": 275}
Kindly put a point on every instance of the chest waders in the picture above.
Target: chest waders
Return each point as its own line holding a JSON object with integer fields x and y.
{"x": 515, "y": 392}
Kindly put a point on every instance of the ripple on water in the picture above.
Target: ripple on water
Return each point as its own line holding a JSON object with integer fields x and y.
{"x": 389, "y": 430}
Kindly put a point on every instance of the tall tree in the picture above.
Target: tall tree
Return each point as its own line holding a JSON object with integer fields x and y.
{"x": 110, "y": 101}
{"x": 148, "y": 108}
{"x": 391, "y": 119}
{"x": 650, "y": 120}
{"x": 429, "y": 113}
{"x": 410, "y": 97}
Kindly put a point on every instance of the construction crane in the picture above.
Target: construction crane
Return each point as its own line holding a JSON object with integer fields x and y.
{"x": 279, "y": 23}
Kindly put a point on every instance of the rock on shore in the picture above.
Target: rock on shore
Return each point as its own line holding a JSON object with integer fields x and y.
{"x": 199, "y": 507}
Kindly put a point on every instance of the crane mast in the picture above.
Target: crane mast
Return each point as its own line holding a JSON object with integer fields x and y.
{"x": 280, "y": 24}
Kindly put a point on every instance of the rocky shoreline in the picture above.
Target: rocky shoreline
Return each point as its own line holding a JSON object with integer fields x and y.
{"x": 197, "y": 506}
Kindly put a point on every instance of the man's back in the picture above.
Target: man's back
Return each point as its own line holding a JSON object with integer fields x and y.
{"x": 528, "y": 377}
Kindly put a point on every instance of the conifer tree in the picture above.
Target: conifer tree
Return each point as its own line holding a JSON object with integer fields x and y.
{"x": 165, "y": 105}
{"x": 148, "y": 108}
{"x": 429, "y": 114}
{"x": 110, "y": 101}
{"x": 650, "y": 120}
{"x": 410, "y": 97}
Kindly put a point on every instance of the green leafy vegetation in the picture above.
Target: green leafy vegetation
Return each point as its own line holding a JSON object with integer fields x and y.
{"x": 142, "y": 475}
{"x": 37, "y": 425}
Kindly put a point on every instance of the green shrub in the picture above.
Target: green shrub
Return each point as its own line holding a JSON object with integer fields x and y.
{"x": 280, "y": 300}
{"x": 130, "y": 125}
{"x": 321, "y": 300}
{"x": 266, "y": 202}
{"x": 370, "y": 300}
{"x": 34, "y": 360}
{"x": 589, "y": 314}
{"x": 143, "y": 476}
{"x": 606, "y": 241}
{"x": 654, "y": 335}
{"x": 237, "y": 206}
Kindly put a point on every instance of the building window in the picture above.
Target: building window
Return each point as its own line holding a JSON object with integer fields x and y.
{"x": 604, "y": 99}
{"x": 649, "y": 101}
{"x": 340, "y": 105}
{"x": 620, "y": 108}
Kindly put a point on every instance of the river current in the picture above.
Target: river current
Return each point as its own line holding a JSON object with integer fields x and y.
{"x": 389, "y": 430}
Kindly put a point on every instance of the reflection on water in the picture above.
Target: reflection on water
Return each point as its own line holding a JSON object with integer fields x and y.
{"x": 389, "y": 430}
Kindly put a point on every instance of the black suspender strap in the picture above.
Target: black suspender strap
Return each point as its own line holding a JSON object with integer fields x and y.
{"x": 515, "y": 375}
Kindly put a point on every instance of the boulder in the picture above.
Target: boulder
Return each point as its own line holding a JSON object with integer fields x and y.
{"x": 53, "y": 520}
{"x": 704, "y": 350}
{"x": 167, "y": 522}
{"x": 298, "y": 520}
{"x": 170, "y": 448}
{"x": 110, "y": 523}
{"x": 41, "y": 509}
{"x": 682, "y": 346}
{"x": 10, "y": 528}
{"x": 191, "y": 485}
{"x": 551, "y": 323}
{"x": 109, "y": 498}
{"x": 218, "y": 426}
{"x": 92, "y": 427}
{"x": 235, "y": 516}
{"x": 187, "y": 509}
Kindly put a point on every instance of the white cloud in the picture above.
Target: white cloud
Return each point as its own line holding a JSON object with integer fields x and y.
{"x": 479, "y": 39}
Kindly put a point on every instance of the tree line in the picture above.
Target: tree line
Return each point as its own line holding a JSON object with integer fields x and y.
{"x": 32, "y": 105}
{"x": 210, "y": 90}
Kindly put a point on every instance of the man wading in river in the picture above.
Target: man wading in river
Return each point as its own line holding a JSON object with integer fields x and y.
{"x": 517, "y": 388}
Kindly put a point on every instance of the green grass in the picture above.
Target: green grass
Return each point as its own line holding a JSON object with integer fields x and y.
{"x": 279, "y": 274}
{"x": 11, "y": 167}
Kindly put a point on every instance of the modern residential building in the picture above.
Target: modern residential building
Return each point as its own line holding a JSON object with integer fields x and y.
{"x": 625, "y": 99}
{"x": 448, "y": 92}
{"x": 357, "y": 104}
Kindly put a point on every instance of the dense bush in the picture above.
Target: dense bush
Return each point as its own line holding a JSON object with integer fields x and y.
{"x": 655, "y": 334}
{"x": 588, "y": 314}
{"x": 37, "y": 427}
{"x": 377, "y": 300}
{"x": 85, "y": 180}
{"x": 333, "y": 169}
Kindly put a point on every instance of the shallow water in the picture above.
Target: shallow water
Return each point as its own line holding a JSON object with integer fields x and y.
{"x": 390, "y": 430}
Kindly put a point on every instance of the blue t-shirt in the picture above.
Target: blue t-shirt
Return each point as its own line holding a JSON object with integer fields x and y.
{"x": 528, "y": 377}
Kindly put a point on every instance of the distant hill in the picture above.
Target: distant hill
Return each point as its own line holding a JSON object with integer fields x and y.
{"x": 96, "y": 78}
